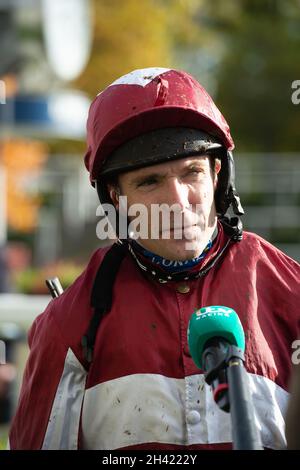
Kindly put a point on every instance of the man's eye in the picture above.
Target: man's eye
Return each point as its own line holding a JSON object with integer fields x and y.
{"x": 147, "y": 182}
{"x": 194, "y": 172}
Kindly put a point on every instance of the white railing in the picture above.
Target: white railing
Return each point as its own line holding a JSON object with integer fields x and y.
{"x": 21, "y": 309}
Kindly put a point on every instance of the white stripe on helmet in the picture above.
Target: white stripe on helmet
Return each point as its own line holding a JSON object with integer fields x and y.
{"x": 139, "y": 77}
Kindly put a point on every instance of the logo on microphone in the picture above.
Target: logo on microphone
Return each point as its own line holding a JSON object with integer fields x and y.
{"x": 213, "y": 311}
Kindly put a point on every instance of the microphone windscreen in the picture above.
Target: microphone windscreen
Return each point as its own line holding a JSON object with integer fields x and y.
{"x": 210, "y": 322}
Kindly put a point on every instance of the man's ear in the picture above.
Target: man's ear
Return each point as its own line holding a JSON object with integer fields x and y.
{"x": 217, "y": 170}
{"x": 114, "y": 194}
{"x": 217, "y": 166}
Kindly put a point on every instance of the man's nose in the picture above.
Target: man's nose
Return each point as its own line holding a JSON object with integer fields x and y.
{"x": 177, "y": 193}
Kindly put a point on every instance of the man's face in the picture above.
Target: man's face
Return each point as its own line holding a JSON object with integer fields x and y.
{"x": 188, "y": 186}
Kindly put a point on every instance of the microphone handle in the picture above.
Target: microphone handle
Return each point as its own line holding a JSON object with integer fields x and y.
{"x": 245, "y": 434}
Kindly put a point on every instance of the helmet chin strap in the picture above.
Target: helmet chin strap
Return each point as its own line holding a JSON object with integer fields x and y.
{"x": 227, "y": 197}
{"x": 232, "y": 195}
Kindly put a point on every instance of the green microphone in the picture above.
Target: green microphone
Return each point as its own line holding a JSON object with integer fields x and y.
{"x": 213, "y": 322}
{"x": 217, "y": 343}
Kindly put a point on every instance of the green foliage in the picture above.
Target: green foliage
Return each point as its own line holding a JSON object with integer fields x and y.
{"x": 260, "y": 63}
{"x": 246, "y": 52}
{"x": 32, "y": 280}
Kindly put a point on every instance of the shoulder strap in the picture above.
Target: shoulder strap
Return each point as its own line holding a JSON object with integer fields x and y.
{"x": 102, "y": 293}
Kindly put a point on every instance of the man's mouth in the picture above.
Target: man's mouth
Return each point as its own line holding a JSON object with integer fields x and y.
{"x": 179, "y": 229}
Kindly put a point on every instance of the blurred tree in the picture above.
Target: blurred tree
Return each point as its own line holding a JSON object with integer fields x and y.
{"x": 136, "y": 34}
{"x": 246, "y": 52}
{"x": 259, "y": 64}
